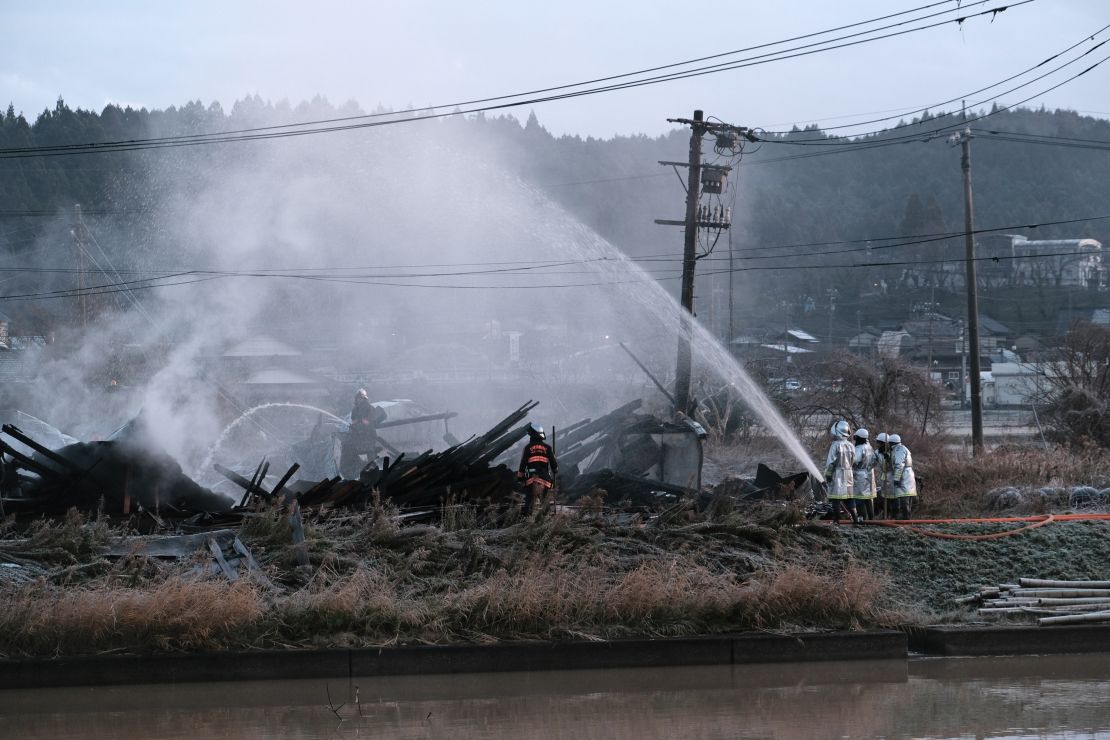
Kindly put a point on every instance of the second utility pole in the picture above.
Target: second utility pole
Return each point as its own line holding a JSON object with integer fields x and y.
{"x": 689, "y": 257}
{"x": 972, "y": 297}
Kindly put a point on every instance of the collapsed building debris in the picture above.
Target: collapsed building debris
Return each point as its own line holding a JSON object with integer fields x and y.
{"x": 121, "y": 473}
{"x": 625, "y": 459}
{"x": 214, "y": 552}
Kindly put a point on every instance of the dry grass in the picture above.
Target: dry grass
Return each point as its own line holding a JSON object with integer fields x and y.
{"x": 373, "y": 584}
{"x": 174, "y": 615}
{"x": 795, "y": 595}
{"x": 954, "y": 482}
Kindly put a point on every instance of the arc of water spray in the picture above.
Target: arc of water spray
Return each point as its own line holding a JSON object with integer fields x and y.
{"x": 647, "y": 293}
{"x": 247, "y": 414}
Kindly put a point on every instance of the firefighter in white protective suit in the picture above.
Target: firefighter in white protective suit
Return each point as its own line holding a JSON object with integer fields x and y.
{"x": 838, "y": 471}
{"x": 883, "y": 481}
{"x": 864, "y": 461}
{"x": 901, "y": 473}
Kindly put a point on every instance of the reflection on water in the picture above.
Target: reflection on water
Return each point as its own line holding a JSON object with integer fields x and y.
{"x": 1059, "y": 696}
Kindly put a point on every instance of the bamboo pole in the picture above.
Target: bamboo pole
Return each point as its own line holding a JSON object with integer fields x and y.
{"x": 1073, "y": 601}
{"x": 1101, "y": 616}
{"x": 1062, "y": 593}
{"x": 1044, "y": 583}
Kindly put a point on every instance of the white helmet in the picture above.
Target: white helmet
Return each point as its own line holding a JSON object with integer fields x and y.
{"x": 862, "y": 433}
{"x": 840, "y": 429}
{"x": 362, "y": 392}
{"x": 895, "y": 439}
{"x": 881, "y": 437}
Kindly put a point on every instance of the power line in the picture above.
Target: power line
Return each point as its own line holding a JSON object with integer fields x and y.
{"x": 149, "y": 283}
{"x": 958, "y": 98}
{"x": 192, "y": 140}
{"x": 858, "y": 140}
{"x": 584, "y": 82}
{"x": 904, "y": 263}
{"x": 1060, "y": 141}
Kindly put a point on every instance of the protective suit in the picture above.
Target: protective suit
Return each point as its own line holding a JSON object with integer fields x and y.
{"x": 883, "y": 481}
{"x": 904, "y": 484}
{"x": 864, "y": 461}
{"x": 838, "y": 464}
{"x": 901, "y": 466}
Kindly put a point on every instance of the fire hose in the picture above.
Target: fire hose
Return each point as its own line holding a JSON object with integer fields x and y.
{"x": 1033, "y": 523}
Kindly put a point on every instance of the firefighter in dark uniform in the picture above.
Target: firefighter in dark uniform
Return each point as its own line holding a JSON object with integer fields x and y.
{"x": 538, "y": 470}
{"x": 362, "y": 439}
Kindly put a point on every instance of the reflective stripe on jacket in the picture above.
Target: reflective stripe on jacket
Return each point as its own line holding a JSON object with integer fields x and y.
{"x": 538, "y": 459}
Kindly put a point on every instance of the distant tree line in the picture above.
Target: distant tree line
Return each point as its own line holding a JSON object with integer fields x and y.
{"x": 800, "y": 187}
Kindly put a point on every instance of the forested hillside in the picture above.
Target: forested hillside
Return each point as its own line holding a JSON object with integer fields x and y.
{"x": 799, "y": 197}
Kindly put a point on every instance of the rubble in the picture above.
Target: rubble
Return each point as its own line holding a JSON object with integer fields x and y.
{"x": 625, "y": 460}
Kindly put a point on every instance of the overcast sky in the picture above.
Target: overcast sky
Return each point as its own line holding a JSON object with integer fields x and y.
{"x": 415, "y": 52}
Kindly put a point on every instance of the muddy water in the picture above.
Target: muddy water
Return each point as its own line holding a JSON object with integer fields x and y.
{"x": 965, "y": 698}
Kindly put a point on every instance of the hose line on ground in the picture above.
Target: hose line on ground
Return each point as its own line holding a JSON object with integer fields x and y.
{"x": 1040, "y": 522}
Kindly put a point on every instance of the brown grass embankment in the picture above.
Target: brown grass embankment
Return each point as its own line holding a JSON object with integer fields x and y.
{"x": 573, "y": 577}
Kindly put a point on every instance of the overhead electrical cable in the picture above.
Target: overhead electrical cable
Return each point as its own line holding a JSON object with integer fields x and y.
{"x": 964, "y": 96}
{"x": 568, "y": 86}
{"x": 863, "y": 140}
{"x": 168, "y": 142}
{"x": 518, "y": 266}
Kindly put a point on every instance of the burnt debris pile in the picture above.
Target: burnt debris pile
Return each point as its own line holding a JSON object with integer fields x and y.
{"x": 626, "y": 460}
{"x": 121, "y": 474}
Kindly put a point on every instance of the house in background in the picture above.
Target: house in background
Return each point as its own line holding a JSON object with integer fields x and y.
{"x": 1014, "y": 260}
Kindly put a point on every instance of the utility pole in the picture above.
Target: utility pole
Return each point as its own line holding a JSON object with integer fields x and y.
{"x": 697, "y": 217}
{"x": 689, "y": 255}
{"x": 964, "y": 139}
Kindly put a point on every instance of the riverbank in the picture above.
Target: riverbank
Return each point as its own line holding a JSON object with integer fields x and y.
{"x": 746, "y": 649}
{"x": 581, "y": 576}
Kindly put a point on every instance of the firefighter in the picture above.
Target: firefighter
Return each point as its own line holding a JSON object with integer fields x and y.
{"x": 838, "y": 471}
{"x": 883, "y": 478}
{"x": 538, "y": 470}
{"x": 863, "y": 472}
{"x": 362, "y": 438}
{"x": 901, "y": 473}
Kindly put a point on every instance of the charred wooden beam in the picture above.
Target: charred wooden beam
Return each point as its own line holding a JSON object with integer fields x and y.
{"x": 16, "y": 433}
{"x": 417, "y": 419}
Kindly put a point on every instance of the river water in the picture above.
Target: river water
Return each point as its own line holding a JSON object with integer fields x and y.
{"x": 1036, "y": 697}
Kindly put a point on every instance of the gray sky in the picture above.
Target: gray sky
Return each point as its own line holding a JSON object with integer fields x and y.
{"x": 421, "y": 53}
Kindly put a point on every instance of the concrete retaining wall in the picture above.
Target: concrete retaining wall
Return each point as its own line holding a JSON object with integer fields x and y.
{"x": 536, "y": 656}
{"x": 1018, "y": 640}
{"x": 550, "y": 656}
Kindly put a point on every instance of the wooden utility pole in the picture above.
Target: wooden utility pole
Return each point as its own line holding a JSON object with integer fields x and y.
{"x": 689, "y": 257}
{"x": 964, "y": 139}
{"x": 728, "y": 138}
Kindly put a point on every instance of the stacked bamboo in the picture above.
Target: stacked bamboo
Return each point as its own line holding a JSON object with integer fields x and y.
{"x": 1052, "y": 601}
